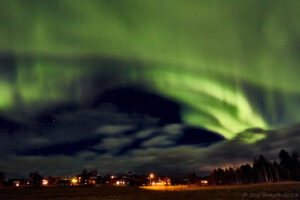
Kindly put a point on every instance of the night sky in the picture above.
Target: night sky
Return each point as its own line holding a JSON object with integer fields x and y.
{"x": 169, "y": 86}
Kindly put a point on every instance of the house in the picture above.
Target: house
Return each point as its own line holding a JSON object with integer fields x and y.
{"x": 63, "y": 183}
{"x": 17, "y": 183}
{"x": 166, "y": 181}
{"x": 203, "y": 182}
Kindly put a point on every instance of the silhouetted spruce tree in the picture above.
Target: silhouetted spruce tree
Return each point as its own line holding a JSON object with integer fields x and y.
{"x": 262, "y": 171}
{"x": 231, "y": 176}
{"x": 295, "y": 171}
{"x": 36, "y": 178}
{"x": 287, "y": 164}
{"x": 246, "y": 174}
{"x": 217, "y": 177}
{"x": 276, "y": 171}
{"x": 192, "y": 177}
{"x": 213, "y": 177}
{"x": 226, "y": 177}
{"x": 262, "y": 168}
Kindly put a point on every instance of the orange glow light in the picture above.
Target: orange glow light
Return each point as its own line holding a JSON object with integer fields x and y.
{"x": 74, "y": 180}
{"x": 45, "y": 182}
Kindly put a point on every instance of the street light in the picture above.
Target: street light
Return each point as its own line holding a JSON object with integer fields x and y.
{"x": 151, "y": 176}
{"x": 74, "y": 181}
{"x": 45, "y": 182}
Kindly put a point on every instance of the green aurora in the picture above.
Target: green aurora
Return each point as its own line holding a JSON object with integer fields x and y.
{"x": 212, "y": 57}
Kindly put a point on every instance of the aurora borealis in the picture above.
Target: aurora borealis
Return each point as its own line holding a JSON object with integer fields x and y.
{"x": 230, "y": 66}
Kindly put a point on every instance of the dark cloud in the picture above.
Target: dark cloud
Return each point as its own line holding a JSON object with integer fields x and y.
{"x": 119, "y": 126}
{"x": 8, "y": 126}
{"x": 197, "y": 136}
{"x": 136, "y": 101}
{"x": 156, "y": 153}
{"x": 66, "y": 148}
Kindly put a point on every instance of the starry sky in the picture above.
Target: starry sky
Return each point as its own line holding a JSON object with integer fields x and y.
{"x": 149, "y": 86}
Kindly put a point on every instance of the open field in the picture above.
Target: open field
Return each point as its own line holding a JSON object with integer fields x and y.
{"x": 285, "y": 191}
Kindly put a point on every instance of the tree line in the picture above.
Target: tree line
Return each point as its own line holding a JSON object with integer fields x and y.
{"x": 261, "y": 171}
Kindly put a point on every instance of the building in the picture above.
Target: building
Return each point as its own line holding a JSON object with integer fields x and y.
{"x": 203, "y": 182}
{"x": 161, "y": 182}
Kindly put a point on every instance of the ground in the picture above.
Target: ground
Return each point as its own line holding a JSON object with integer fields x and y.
{"x": 287, "y": 191}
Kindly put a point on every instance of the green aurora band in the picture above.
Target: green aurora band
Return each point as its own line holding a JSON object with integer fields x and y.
{"x": 205, "y": 55}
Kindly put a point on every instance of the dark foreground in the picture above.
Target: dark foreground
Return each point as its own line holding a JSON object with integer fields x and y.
{"x": 285, "y": 191}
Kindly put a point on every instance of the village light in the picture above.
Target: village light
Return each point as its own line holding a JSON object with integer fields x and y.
{"x": 45, "y": 182}
{"x": 151, "y": 176}
{"x": 74, "y": 180}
